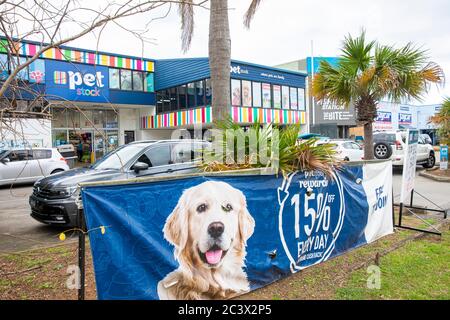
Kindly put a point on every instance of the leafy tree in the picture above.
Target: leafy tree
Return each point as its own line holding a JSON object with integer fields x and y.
{"x": 368, "y": 72}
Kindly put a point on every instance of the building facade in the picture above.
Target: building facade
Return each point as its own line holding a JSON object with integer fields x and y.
{"x": 258, "y": 93}
{"x": 100, "y": 100}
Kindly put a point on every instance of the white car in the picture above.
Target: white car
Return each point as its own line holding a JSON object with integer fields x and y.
{"x": 347, "y": 150}
{"x": 392, "y": 144}
{"x": 29, "y": 165}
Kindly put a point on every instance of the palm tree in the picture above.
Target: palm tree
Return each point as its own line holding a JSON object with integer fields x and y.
{"x": 219, "y": 48}
{"x": 442, "y": 120}
{"x": 368, "y": 72}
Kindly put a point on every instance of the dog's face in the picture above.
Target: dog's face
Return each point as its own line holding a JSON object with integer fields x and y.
{"x": 208, "y": 221}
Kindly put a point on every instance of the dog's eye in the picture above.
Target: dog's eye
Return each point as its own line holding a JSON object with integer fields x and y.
{"x": 201, "y": 208}
{"x": 227, "y": 208}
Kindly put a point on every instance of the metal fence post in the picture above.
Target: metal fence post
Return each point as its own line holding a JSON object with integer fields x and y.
{"x": 81, "y": 254}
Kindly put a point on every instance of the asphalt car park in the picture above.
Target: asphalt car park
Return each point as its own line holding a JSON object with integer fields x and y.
{"x": 19, "y": 231}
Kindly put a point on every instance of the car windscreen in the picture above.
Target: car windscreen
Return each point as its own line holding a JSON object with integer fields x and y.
{"x": 3, "y": 153}
{"x": 384, "y": 137}
{"x": 118, "y": 158}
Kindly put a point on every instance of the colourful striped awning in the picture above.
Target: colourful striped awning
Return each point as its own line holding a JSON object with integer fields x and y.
{"x": 238, "y": 114}
{"x": 30, "y": 49}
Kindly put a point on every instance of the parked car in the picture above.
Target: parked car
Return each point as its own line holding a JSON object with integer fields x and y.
{"x": 391, "y": 145}
{"x": 29, "y": 165}
{"x": 54, "y": 199}
{"x": 347, "y": 150}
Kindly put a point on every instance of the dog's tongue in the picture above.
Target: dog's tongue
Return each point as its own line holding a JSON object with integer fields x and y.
{"x": 213, "y": 256}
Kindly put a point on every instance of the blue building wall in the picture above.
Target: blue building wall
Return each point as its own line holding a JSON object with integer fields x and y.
{"x": 175, "y": 72}
{"x": 317, "y": 60}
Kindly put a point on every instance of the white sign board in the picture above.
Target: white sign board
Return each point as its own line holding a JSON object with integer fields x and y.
{"x": 409, "y": 163}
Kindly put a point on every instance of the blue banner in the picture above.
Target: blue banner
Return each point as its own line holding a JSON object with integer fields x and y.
{"x": 215, "y": 237}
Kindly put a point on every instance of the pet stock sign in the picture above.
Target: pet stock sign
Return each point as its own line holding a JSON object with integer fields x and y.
{"x": 218, "y": 236}
{"x": 77, "y": 82}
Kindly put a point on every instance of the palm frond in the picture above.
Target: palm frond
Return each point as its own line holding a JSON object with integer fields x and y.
{"x": 250, "y": 13}
{"x": 186, "y": 12}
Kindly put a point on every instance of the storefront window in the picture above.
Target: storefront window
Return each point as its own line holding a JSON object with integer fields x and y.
{"x": 235, "y": 92}
{"x": 37, "y": 71}
{"x": 111, "y": 119}
{"x": 112, "y": 137}
{"x": 266, "y": 95}
{"x": 301, "y": 99}
{"x": 59, "y": 118}
{"x": 23, "y": 74}
{"x": 4, "y": 70}
{"x": 138, "y": 81}
{"x": 277, "y": 97}
{"x": 59, "y": 137}
{"x": 73, "y": 118}
{"x": 125, "y": 79}
{"x": 99, "y": 118}
{"x": 149, "y": 83}
{"x": 293, "y": 95}
{"x": 181, "y": 97}
{"x": 246, "y": 93}
{"x": 114, "y": 78}
{"x": 208, "y": 91}
{"x": 285, "y": 97}
{"x": 256, "y": 94}
{"x": 86, "y": 119}
{"x": 191, "y": 95}
{"x": 173, "y": 103}
{"x": 200, "y": 92}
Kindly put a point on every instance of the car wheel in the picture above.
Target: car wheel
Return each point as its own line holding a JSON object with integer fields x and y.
{"x": 382, "y": 150}
{"x": 56, "y": 171}
{"x": 430, "y": 162}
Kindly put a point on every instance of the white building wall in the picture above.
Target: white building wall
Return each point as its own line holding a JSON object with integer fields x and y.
{"x": 36, "y": 133}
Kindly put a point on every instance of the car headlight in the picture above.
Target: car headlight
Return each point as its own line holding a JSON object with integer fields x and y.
{"x": 67, "y": 192}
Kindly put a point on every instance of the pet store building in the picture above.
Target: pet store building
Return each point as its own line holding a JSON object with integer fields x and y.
{"x": 258, "y": 93}
{"x": 100, "y": 100}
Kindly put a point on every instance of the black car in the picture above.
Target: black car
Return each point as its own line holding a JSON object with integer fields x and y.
{"x": 54, "y": 198}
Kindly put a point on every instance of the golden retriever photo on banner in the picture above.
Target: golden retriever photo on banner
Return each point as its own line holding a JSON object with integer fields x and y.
{"x": 209, "y": 228}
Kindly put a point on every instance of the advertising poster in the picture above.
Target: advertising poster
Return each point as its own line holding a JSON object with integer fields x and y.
{"x": 301, "y": 99}
{"x": 235, "y": 92}
{"x": 443, "y": 161}
{"x": 383, "y": 120}
{"x": 285, "y": 97}
{"x": 267, "y": 96}
{"x": 293, "y": 95}
{"x": 246, "y": 93}
{"x": 219, "y": 236}
{"x": 256, "y": 94}
{"x": 409, "y": 164}
{"x": 277, "y": 97}
{"x": 404, "y": 118}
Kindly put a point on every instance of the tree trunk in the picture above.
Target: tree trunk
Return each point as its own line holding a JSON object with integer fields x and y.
{"x": 368, "y": 141}
{"x": 219, "y": 58}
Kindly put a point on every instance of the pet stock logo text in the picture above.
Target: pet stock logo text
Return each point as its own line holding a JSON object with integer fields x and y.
{"x": 85, "y": 84}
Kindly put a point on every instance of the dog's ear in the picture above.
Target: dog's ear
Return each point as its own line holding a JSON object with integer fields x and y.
{"x": 246, "y": 221}
{"x": 176, "y": 227}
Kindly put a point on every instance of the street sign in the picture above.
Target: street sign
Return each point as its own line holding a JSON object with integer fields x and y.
{"x": 443, "y": 157}
{"x": 409, "y": 163}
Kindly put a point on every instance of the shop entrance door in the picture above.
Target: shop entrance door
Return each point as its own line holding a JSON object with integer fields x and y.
{"x": 82, "y": 142}
{"x": 129, "y": 136}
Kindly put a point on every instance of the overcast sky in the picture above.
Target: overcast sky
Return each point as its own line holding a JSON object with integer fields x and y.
{"x": 283, "y": 29}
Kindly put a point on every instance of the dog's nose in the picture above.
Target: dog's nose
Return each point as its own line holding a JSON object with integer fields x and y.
{"x": 215, "y": 229}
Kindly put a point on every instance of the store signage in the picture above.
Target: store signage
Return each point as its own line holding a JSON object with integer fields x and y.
{"x": 77, "y": 82}
{"x": 260, "y": 74}
{"x": 384, "y": 117}
{"x": 404, "y": 118}
{"x": 443, "y": 161}
{"x": 332, "y": 113}
{"x": 409, "y": 164}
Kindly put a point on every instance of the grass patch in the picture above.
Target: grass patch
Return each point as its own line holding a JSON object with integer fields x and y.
{"x": 419, "y": 270}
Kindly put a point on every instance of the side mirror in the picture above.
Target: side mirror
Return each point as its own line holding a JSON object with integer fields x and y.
{"x": 140, "y": 166}
{"x": 5, "y": 160}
